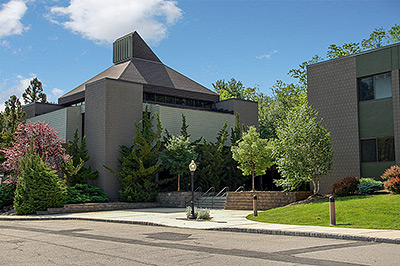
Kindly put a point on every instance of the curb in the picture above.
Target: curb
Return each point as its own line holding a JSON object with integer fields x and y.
{"x": 226, "y": 229}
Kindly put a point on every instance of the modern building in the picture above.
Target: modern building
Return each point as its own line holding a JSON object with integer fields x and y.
{"x": 358, "y": 98}
{"x": 106, "y": 107}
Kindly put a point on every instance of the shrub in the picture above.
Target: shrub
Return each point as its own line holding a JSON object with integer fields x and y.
{"x": 367, "y": 188}
{"x": 39, "y": 187}
{"x": 346, "y": 186}
{"x": 83, "y": 193}
{"x": 201, "y": 214}
{"x": 367, "y": 180}
{"x": 7, "y": 194}
{"x": 392, "y": 177}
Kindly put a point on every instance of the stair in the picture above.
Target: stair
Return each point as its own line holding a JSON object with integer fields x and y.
{"x": 211, "y": 202}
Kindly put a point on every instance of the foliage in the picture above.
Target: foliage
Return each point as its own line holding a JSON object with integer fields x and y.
{"x": 335, "y": 51}
{"x": 368, "y": 188}
{"x": 212, "y": 162}
{"x": 34, "y": 92}
{"x": 303, "y": 149}
{"x": 39, "y": 187}
{"x": 84, "y": 193}
{"x": 7, "y": 194}
{"x": 253, "y": 154}
{"x": 367, "y": 180}
{"x": 373, "y": 212}
{"x": 346, "y": 186}
{"x": 177, "y": 156}
{"x": 301, "y": 72}
{"x": 46, "y": 144}
{"x": 201, "y": 214}
{"x": 234, "y": 89}
{"x": 392, "y": 179}
{"x": 139, "y": 163}
{"x": 80, "y": 156}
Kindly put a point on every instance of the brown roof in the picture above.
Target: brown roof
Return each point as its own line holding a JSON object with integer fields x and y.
{"x": 146, "y": 69}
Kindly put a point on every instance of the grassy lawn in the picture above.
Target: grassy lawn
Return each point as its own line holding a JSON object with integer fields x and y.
{"x": 374, "y": 212}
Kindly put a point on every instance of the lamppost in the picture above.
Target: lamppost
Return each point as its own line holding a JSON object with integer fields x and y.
{"x": 192, "y": 168}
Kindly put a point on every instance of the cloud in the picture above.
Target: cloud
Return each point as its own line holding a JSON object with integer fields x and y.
{"x": 11, "y": 14}
{"x": 14, "y": 87}
{"x": 268, "y": 55}
{"x": 56, "y": 93}
{"x": 103, "y": 21}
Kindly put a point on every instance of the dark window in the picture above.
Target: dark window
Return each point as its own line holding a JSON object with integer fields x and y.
{"x": 180, "y": 101}
{"x": 160, "y": 98}
{"x": 199, "y": 103}
{"x": 385, "y": 149}
{"x": 377, "y": 150}
{"x": 375, "y": 87}
{"x": 150, "y": 97}
{"x": 169, "y": 99}
{"x": 368, "y": 150}
{"x": 189, "y": 102}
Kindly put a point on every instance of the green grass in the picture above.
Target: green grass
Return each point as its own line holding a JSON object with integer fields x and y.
{"x": 373, "y": 212}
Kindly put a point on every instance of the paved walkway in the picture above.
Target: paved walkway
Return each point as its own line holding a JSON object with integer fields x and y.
{"x": 224, "y": 220}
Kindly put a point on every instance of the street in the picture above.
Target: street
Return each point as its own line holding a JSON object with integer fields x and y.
{"x": 73, "y": 242}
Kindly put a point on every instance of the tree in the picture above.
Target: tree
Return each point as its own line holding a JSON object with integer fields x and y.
{"x": 79, "y": 155}
{"x": 394, "y": 34}
{"x": 39, "y": 187}
{"x": 303, "y": 149}
{"x": 46, "y": 144}
{"x": 235, "y": 89}
{"x": 34, "y": 92}
{"x": 177, "y": 156}
{"x": 253, "y": 154}
{"x": 376, "y": 39}
{"x": 335, "y": 51}
{"x": 139, "y": 163}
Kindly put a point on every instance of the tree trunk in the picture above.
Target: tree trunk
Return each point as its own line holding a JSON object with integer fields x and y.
{"x": 179, "y": 182}
{"x": 314, "y": 186}
{"x": 252, "y": 176}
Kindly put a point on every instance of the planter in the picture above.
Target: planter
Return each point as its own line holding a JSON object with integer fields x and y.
{"x": 265, "y": 200}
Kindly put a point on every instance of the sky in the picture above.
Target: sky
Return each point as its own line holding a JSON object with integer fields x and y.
{"x": 66, "y": 42}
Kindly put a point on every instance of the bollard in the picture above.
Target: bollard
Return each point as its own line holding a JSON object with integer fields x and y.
{"x": 255, "y": 205}
{"x": 332, "y": 210}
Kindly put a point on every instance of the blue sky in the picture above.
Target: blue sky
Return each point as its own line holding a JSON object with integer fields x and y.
{"x": 64, "y": 43}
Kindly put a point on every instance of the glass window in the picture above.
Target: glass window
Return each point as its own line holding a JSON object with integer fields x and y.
{"x": 366, "y": 89}
{"x": 160, "y": 98}
{"x": 150, "y": 97}
{"x": 170, "y": 99}
{"x": 368, "y": 150}
{"x": 180, "y": 101}
{"x": 189, "y": 102}
{"x": 383, "y": 86}
{"x": 199, "y": 103}
{"x": 386, "y": 149}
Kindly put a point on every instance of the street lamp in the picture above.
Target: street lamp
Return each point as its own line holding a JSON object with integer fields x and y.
{"x": 192, "y": 168}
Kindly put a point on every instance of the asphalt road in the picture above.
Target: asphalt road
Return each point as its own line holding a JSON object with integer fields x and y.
{"x": 74, "y": 242}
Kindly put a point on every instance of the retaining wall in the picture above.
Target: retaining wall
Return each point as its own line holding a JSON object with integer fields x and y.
{"x": 175, "y": 199}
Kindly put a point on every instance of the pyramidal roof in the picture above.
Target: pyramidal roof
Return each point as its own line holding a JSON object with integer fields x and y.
{"x": 134, "y": 61}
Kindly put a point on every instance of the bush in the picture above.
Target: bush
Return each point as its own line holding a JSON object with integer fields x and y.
{"x": 83, "y": 193}
{"x": 39, "y": 187}
{"x": 367, "y": 180}
{"x": 368, "y": 188}
{"x": 346, "y": 186}
{"x": 201, "y": 214}
{"x": 7, "y": 194}
{"x": 392, "y": 177}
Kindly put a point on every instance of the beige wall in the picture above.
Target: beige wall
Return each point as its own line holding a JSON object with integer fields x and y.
{"x": 201, "y": 122}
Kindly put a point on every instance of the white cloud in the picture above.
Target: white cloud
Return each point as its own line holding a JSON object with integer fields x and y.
{"x": 105, "y": 20}
{"x": 14, "y": 87}
{"x": 56, "y": 93}
{"x": 268, "y": 55}
{"x": 11, "y": 14}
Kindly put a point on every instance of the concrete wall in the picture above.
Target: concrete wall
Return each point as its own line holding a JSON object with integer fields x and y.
{"x": 248, "y": 110}
{"x": 332, "y": 90}
{"x": 112, "y": 107}
{"x": 396, "y": 112}
{"x": 65, "y": 121}
{"x": 201, "y": 122}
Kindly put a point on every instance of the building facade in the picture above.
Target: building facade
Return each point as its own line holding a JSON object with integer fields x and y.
{"x": 357, "y": 97}
{"x": 106, "y": 107}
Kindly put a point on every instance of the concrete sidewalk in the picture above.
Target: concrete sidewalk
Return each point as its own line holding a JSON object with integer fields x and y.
{"x": 223, "y": 220}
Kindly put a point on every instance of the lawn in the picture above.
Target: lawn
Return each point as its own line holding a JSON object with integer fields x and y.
{"x": 374, "y": 212}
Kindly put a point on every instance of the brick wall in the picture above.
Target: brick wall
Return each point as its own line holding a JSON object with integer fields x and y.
{"x": 265, "y": 200}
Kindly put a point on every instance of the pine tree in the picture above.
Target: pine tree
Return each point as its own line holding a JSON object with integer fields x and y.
{"x": 80, "y": 156}
{"x": 139, "y": 163}
{"x": 34, "y": 92}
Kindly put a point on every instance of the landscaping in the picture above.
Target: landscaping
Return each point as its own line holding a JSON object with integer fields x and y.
{"x": 372, "y": 212}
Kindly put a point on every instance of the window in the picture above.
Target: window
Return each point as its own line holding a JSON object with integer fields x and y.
{"x": 377, "y": 150}
{"x": 375, "y": 87}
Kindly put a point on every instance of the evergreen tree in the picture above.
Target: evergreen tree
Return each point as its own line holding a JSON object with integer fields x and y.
{"x": 39, "y": 187}
{"x": 80, "y": 156}
{"x": 139, "y": 163}
{"x": 34, "y": 92}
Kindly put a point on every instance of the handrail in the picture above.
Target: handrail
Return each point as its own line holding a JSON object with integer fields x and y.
{"x": 222, "y": 193}
{"x": 209, "y": 191}
{"x": 196, "y": 192}
{"x": 241, "y": 188}
{"x": 204, "y": 196}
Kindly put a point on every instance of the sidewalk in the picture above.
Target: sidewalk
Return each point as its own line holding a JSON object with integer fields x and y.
{"x": 223, "y": 220}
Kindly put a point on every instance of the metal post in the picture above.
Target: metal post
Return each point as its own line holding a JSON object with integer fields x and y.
{"x": 193, "y": 215}
{"x": 332, "y": 210}
{"x": 255, "y": 206}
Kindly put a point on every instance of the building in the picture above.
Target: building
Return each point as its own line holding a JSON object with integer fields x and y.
{"x": 106, "y": 107}
{"x": 358, "y": 98}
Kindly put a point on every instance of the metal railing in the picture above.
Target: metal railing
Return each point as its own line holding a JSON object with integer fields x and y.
{"x": 241, "y": 188}
{"x": 197, "y": 195}
{"x": 209, "y": 192}
{"x": 222, "y": 193}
